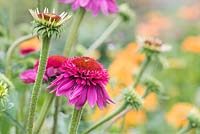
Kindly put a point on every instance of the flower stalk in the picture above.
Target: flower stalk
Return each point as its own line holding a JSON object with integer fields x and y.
{"x": 142, "y": 69}
{"x": 11, "y": 51}
{"x": 75, "y": 120}
{"x": 43, "y": 113}
{"x": 38, "y": 82}
{"x": 185, "y": 129}
{"x": 109, "y": 117}
{"x": 14, "y": 121}
{"x": 105, "y": 34}
{"x": 55, "y": 117}
{"x": 73, "y": 32}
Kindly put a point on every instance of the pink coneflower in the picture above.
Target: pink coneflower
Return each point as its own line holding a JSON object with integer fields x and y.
{"x": 52, "y": 69}
{"x": 83, "y": 79}
{"x": 106, "y": 6}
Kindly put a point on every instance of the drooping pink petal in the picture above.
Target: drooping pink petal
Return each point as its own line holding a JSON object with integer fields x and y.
{"x": 83, "y": 3}
{"x": 82, "y": 100}
{"x": 92, "y": 96}
{"x": 104, "y": 7}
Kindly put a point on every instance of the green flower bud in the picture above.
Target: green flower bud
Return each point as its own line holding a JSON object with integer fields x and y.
{"x": 3, "y": 90}
{"x": 194, "y": 118}
{"x": 5, "y": 85}
{"x": 132, "y": 99}
{"x": 126, "y": 12}
{"x": 152, "y": 85}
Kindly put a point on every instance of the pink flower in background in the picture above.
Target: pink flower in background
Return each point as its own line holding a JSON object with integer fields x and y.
{"x": 52, "y": 69}
{"x": 83, "y": 79}
{"x": 106, "y": 6}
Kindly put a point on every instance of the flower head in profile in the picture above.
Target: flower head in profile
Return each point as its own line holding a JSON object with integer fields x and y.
{"x": 106, "y": 6}
{"x": 3, "y": 90}
{"x": 153, "y": 45}
{"x": 82, "y": 79}
{"x": 5, "y": 86}
{"x": 194, "y": 118}
{"x": 29, "y": 46}
{"x": 52, "y": 70}
{"x": 48, "y": 23}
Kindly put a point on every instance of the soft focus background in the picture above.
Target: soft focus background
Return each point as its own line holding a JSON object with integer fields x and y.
{"x": 175, "y": 22}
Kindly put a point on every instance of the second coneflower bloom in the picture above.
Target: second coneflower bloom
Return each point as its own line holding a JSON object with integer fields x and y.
{"x": 83, "y": 79}
{"x": 106, "y": 6}
{"x": 54, "y": 63}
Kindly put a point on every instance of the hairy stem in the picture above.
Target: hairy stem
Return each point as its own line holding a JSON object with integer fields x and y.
{"x": 10, "y": 52}
{"x": 105, "y": 34}
{"x": 75, "y": 121}
{"x": 45, "y": 107}
{"x": 55, "y": 117}
{"x": 142, "y": 69}
{"x": 38, "y": 82}
{"x": 73, "y": 31}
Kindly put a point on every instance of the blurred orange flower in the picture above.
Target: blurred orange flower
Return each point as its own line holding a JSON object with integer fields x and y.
{"x": 178, "y": 113}
{"x": 190, "y": 12}
{"x": 154, "y": 25}
{"x": 29, "y": 46}
{"x": 133, "y": 118}
{"x": 150, "y": 102}
{"x": 191, "y": 44}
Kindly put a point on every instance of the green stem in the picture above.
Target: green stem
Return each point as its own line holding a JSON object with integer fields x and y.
{"x": 185, "y": 129}
{"x": 75, "y": 121}
{"x": 122, "y": 124}
{"x": 14, "y": 121}
{"x": 105, "y": 34}
{"x": 109, "y": 117}
{"x": 55, "y": 117}
{"x": 38, "y": 82}
{"x": 73, "y": 31}
{"x": 11, "y": 51}
{"x": 146, "y": 93}
{"x": 142, "y": 69}
{"x": 43, "y": 113}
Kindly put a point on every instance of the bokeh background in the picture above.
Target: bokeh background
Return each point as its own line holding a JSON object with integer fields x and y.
{"x": 177, "y": 23}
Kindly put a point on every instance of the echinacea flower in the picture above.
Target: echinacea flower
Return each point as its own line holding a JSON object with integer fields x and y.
{"x": 52, "y": 69}
{"x": 106, "y": 6}
{"x": 152, "y": 44}
{"x": 29, "y": 46}
{"x": 48, "y": 23}
{"x": 83, "y": 79}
